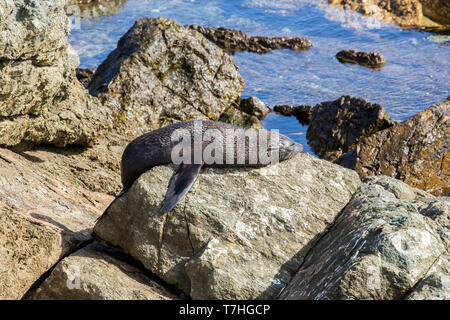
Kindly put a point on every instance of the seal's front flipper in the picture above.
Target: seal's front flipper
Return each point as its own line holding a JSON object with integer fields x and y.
{"x": 180, "y": 184}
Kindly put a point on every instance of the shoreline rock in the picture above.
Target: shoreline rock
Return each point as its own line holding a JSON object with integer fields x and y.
{"x": 366, "y": 59}
{"x": 303, "y": 113}
{"x": 415, "y": 151}
{"x": 389, "y": 238}
{"x": 405, "y": 13}
{"x": 337, "y": 126}
{"x": 162, "y": 72}
{"x": 232, "y": 40}
{"x": 41, "y": 99}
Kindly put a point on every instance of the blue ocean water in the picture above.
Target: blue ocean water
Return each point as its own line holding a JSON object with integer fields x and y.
{"x": 416, "y": 74}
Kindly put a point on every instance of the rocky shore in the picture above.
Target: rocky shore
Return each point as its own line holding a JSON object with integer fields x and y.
{"x": 231, "y": 40}
{"x": 341, "y": 226}
{"x": 433, "y": 14}
{"x": 367, "y": 59}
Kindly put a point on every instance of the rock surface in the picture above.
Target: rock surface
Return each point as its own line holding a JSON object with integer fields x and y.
{"x": 232, "y": 40}
{"x": 93, "y": 8}
{"x": 253, "y": 106}
{"x": 367, "y": 59}
{"x": 96, "y": 168}
{"x": 43, "y": 218}
{"x": 162, "y": 73}
{"x": 415, "y": 151}
{"x": 303, "y": 113}
{"x": 405, "y": 13}
{"x": 99, "y": 272}
{"x": 239, "y": 233}
{"x": 436, "y": 283}
{"x": 381, "y": 246}
{"x": 40, "y": 99}
{"x": 336, "y": 126}
{"x": 437, "y": 10}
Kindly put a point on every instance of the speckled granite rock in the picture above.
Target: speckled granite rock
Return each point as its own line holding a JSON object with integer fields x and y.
{"x": 239, "y": 233}
{"x": 386, "y": 244}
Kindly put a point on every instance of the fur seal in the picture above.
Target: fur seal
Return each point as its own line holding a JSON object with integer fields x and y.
{"x": 232, "y": 146}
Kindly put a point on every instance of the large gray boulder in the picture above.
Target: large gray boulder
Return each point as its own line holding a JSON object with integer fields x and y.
{"x": 40, "y": 99}
{"x": 99, "y": 272}
{"x": 239, "y": 233}
{"x": 162, "y": 72}
{"x": 390, "y": 242}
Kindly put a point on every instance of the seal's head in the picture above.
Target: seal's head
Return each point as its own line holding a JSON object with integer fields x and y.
{"x": 288, "y": 148}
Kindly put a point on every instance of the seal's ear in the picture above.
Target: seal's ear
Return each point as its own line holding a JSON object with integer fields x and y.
{"x": 180, "y": 184}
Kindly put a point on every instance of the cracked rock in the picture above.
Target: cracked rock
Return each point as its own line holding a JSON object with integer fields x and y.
{"x": 41, "y": 101}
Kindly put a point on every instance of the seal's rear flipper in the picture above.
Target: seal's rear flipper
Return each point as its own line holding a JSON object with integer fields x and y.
{"x": 180, "y": 184}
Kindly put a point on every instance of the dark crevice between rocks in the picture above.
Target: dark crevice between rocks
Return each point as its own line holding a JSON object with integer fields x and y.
{"x": 46, "y": 274}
